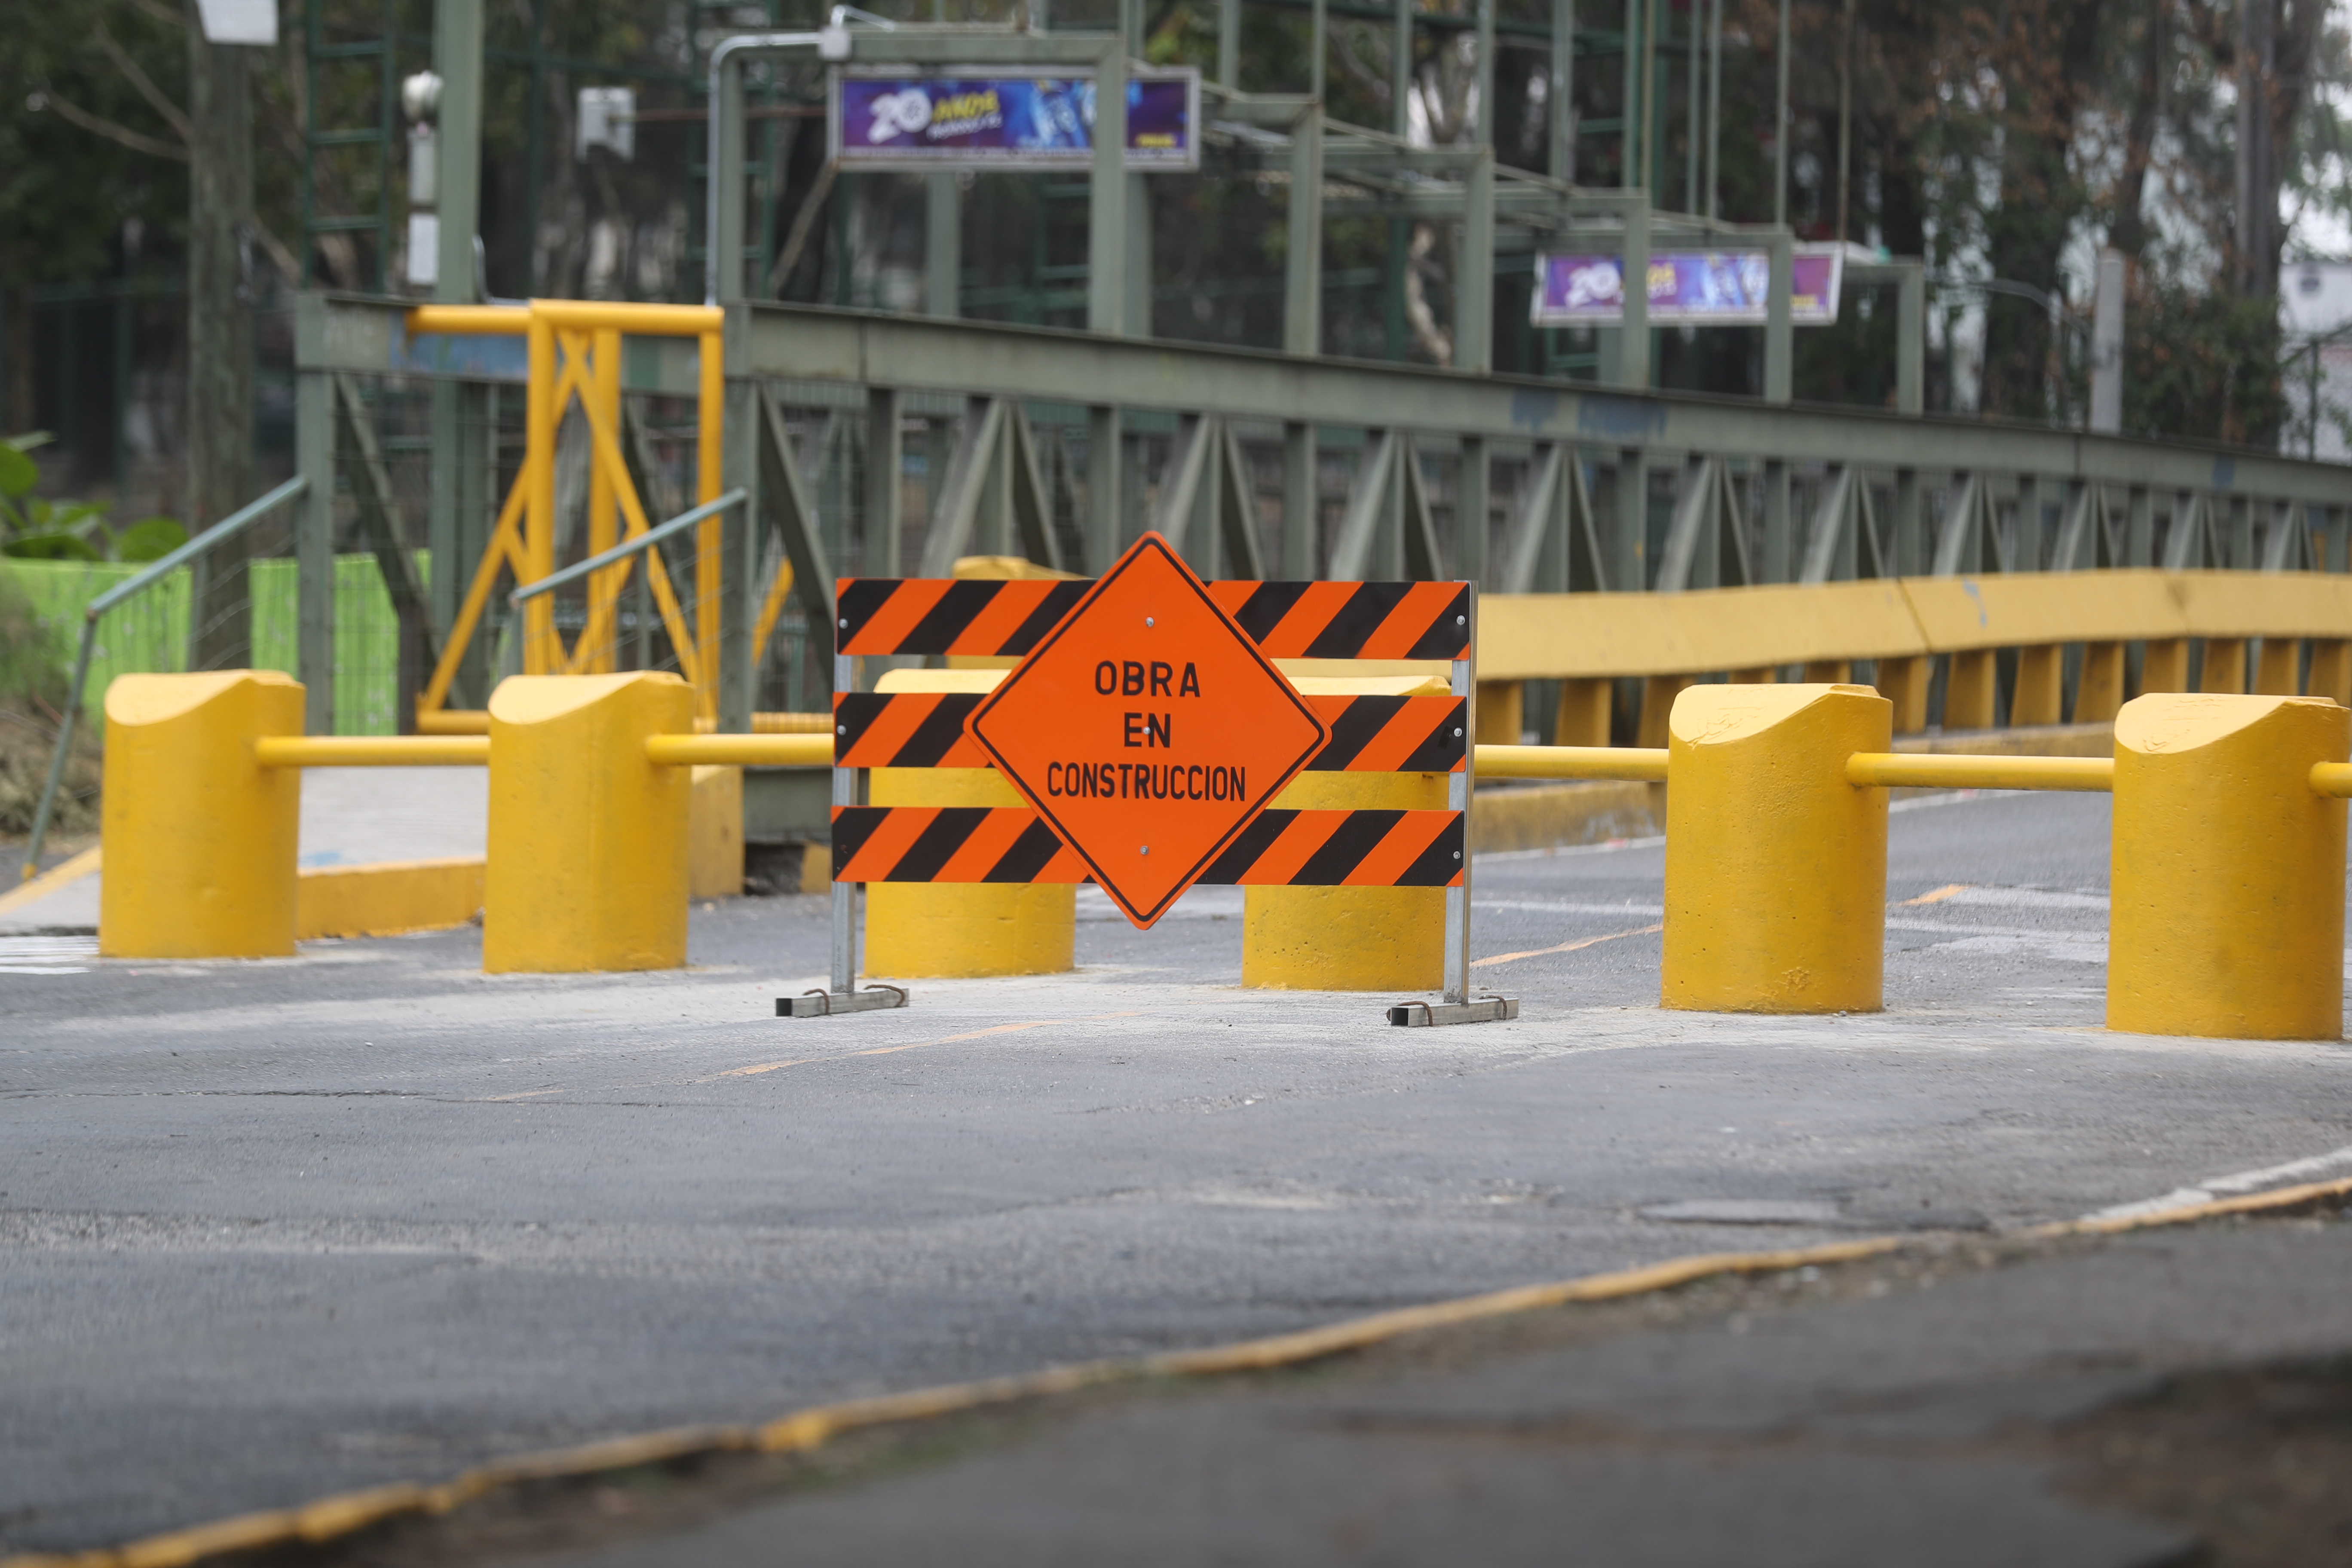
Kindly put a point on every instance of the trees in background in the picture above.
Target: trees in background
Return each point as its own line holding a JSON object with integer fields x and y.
{"x": 2003, "y": 140}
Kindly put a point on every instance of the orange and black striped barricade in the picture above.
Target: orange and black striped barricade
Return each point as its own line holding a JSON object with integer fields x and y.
{"x": 1272, "y": 848}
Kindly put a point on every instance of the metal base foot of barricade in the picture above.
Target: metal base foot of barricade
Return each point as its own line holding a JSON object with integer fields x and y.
{"x": 824, "y": 1004}
{"x": 1431, "y": 1015}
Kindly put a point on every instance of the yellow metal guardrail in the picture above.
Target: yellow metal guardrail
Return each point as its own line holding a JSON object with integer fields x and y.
{"x": 2301, "y": 620}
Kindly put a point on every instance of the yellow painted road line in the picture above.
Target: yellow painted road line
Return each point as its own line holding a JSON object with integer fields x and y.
{"x": 1935, "y": 896}
{"x": 346, "y": 1513}
{"x": 1566, "y": 946}
{"x": 51, "y": 880}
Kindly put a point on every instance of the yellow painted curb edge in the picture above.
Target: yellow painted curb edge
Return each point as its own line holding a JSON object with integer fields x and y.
{"x": 51, "y": 880}
{"x": 346, "y": 1513}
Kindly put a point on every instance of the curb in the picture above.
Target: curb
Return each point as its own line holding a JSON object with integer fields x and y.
{"x": 49, "y": 881}
{"x": 344, "y": 1513}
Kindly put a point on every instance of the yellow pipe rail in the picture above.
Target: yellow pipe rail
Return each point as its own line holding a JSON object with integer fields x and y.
{"x": 2332, "y": 779}
{"x": 577, "y": 315}
{"x": 742, "y": 751}
{"x": 1915, "y": 771}
{"x": 511, "y": 319}
{"x": 1644, "y": 764}
{"x": 372, "y": 751}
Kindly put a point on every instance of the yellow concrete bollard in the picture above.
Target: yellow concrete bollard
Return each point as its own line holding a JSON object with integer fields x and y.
{"x": 960, "y": 930}
{"x": 714, "y": 858}
{"x": 1352, "y": 939}
{"x": 588, "y": 838}
{"x": 1349, "y": 938}
{"x": 2226, "y": 914}
{"x": 200, "y": 838}
{"x": 1776, "y": 866}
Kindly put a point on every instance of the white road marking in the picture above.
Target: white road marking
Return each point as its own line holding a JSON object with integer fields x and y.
{"x": 2230, "y": 1187}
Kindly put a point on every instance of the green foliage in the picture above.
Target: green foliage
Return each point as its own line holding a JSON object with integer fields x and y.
{"x": 2200, "y": 362}
{"x": 36, "y": 655}
{"x": 149, "y": 539}
{"x": 66, "y": 194}
{"x": 33, "y": 528}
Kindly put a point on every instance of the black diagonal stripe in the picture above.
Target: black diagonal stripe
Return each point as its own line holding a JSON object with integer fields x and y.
{"x": 1447, "y": 637}
{"x": 1030, "y": 854}
{"x": 1045, "y": 617}
{"x": 1353, "y": 731}
{"x": 1267, "y": 604}
{"x": 1341, "y": 853}
{"x": 939, "y": 732}
{"x": 853, "y": 713}
{"x": 934, "y": 844}
{"x": 938, "y": 630}
{"x": 1242, "y": 854}
{"x": 1437, "y": 865}
{"x": 1368, "y": 604}
{"x": 852, "y": 827}
{"x": 1442, "y": 747}
{"x": 860, "y": 600}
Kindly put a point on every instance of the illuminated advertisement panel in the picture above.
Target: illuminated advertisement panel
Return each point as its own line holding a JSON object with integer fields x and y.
{"x": 1692, "y": 288}
{"x": 900, "y": 119}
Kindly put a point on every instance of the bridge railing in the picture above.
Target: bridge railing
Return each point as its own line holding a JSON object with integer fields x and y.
{"x": 876, "y": 444}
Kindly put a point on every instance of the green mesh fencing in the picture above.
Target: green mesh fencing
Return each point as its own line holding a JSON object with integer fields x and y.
{"x": 149, "y": 633}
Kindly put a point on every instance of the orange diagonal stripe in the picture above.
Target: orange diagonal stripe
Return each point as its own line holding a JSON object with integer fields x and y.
{"x": 886, "y": 845}
{"x": 899, "y": 614}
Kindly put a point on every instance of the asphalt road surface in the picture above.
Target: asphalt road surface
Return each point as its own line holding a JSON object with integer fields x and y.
{"x": 271, "y": 1231}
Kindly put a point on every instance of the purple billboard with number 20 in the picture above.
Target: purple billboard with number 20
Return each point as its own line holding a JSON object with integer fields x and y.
{"x": 1710, "y": 288}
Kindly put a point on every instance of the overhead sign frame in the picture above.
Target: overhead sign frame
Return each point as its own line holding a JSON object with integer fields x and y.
{"x": 1004, "y": 120}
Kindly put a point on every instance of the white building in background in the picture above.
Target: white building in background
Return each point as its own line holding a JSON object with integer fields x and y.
{"x": 2314, "y": 301}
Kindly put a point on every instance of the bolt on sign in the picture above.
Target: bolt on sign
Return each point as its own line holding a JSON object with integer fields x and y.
{"x": 1148, "y": 730}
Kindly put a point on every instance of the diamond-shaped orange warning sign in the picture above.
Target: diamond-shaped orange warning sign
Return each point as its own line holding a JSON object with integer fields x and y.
{"x": 1146, "y": 729}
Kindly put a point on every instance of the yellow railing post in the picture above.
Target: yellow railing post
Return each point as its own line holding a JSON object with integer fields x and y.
{"x": 2040, "y": 694}
{"x": 2164, "y": 667}
{"x": 2224, "y": 673}
{"x": 602, "y": 383}
{"x": 1501, "y": 717}
{"x": 2331, "y": 669}
{"x": 2099, "y": 692}
{"x": 709, "y": 543}
{"x": 1658, "y": 695}
{"x": 1970, "y": 692}
{"x": 588, "y": 832}
{"x": 2227, "y": 892}
{"x": 541, "y": 412}
{"x": 2278, "y": 669}
{"x": 1775, "y": 865}
{"x": 1904, "y": 682}
{"x": 1583, "y": 716}
{"x": 200, "y": 836}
